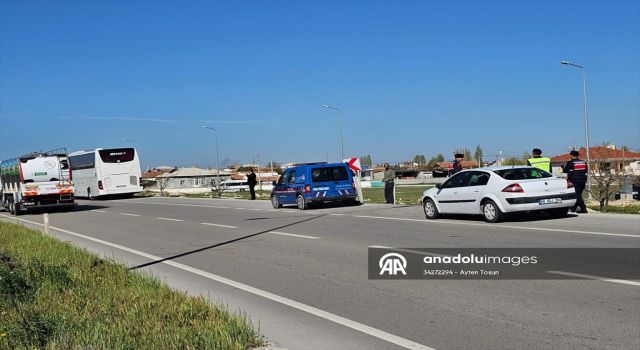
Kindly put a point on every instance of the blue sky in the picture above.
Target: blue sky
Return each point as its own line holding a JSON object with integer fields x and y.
{"x": 412, "y": 77}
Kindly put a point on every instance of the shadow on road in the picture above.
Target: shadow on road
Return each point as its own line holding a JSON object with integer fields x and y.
{"x": 150, "y": 263}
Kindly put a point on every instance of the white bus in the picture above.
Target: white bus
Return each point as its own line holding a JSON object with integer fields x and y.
{"x": 104, "y": 172}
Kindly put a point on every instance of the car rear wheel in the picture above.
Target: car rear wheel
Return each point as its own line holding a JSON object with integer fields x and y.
{"x": 559, "y": 213}
{"x": 491, "y": 211}
{"x": 275, "y": 202}
{"x": 300, "y": 202}
{"x": 430, "y": 209}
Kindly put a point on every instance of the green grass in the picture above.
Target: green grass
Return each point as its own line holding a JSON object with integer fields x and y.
{"x": 408, "y": 195}
{"x": 629, "y": 209}
{"x": 56, "y": 296}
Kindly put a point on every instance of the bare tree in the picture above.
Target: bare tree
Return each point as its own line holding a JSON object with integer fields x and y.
{"x": 605, "y": 178}
{"x": 215, "y": 186}
{"x": 162, "y": 182}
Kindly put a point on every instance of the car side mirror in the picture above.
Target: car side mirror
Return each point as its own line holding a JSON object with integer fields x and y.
{"x": 438, "y": 186}
{"x": 273, "y": 183}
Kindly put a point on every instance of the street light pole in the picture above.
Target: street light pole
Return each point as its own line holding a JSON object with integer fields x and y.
{"x": 215, "y": 132}
{"x": 586, "y": 116}
{"x": 340, "y": 120}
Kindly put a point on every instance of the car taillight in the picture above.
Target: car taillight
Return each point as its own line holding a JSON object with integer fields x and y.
{"x": 100, "y": 185}
{"x": 307, "y": 189}
{"x": 569, "y": 184}
{"x": 515, "y": 188}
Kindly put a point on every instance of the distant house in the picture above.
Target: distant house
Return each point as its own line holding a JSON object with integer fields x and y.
{"x": 192, "y": 178}
{"x": 604, "y": 158}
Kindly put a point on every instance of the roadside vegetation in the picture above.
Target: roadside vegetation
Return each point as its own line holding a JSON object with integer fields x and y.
{"x": 56, "y": 296}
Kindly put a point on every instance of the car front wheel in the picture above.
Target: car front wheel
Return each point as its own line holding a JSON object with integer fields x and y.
{"x": 491, "y": 212}
{"x": 430, "y": 209}
{"x": 275, "y": 202}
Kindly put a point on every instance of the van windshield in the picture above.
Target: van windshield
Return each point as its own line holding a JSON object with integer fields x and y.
{"x": 334, "y": 173}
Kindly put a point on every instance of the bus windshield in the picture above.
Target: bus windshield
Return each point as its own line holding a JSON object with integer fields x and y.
{"x": 117, "y": 155}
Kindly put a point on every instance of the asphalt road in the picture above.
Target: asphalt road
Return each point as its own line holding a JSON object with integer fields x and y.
{"x": 302, "y": 276}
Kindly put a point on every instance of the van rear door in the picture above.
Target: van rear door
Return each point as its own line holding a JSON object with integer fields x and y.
{"x": 331, "y": 181}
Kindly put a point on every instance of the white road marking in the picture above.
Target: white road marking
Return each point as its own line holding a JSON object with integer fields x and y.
{"x": 374, "y": 332}
{"x": 336, "y": 214}
{"x": 218, "y": 225}
{"x": 258, "y": 209}
{"x": 599, "y": 278}
{"x": 98, "y": 211}
{"x": 498, "y": 226}
{"x": 293, "y": 235}
{"x": 408, "y": 250}
{"x": 240, "y": 208}
{"x": 127, "y": 214}
{"x": 169, "y": 219}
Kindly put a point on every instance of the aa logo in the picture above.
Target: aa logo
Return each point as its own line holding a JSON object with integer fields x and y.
{"x": 392, "y": 264}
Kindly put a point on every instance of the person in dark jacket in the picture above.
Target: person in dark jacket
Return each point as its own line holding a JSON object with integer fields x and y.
{"x": 456, "y": 166}
{"x": 576, "y": 170}
{"x": 388, "y": 178}
{"x": 252, "y": 182}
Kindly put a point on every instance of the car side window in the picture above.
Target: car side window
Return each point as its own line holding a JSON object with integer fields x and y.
{"x": 478, "y": 178}
{"x": 292, "y": 178}
{"x": 283, "y": 178}
{"x": 457, "y": 180}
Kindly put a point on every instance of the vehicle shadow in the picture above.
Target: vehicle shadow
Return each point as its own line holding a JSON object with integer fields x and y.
{"x": 513, "y": 217}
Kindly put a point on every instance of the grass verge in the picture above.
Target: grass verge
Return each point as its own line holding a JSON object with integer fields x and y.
{"x": 407, "y": 195}
{"x": 56, "y": 296}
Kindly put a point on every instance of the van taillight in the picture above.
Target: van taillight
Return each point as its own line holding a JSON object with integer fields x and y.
{"x": 307, "y": 189}
{"x": 100, "y": 185}
{"x": 569, "y": 184}
{"x": 515, "y": 188}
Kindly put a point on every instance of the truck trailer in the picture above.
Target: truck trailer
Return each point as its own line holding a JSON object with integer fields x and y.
{"x": 36, "y": 180}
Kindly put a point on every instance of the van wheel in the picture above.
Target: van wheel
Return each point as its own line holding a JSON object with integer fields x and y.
{"x": 300, "y": 202}
{"x": 275, "y": 202}
{"x": 430, "y": 209}
{"x": 491, "y": 211}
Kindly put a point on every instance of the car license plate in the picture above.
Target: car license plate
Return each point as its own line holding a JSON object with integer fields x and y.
{"x": 549, "y": 201}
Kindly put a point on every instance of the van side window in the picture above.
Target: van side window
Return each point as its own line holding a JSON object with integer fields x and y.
{"x": 292, "y": 178}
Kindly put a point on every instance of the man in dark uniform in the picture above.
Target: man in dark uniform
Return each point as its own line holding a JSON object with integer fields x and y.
{"x": 456, "y": 166}
{"x": 251, "y": 180}
{"x": 576, "y": 170}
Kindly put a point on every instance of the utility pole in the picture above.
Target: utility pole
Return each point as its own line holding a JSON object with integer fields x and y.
{"x": 259, "y": 178}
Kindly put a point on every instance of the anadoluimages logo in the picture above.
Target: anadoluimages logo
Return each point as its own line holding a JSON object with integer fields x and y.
{"x": 392, "y": 263}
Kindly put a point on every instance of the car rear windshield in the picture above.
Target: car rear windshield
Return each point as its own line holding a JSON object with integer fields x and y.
{"x": 522, "y": 173}
{"x": 333, "y": 173}
{"x": 117, "y": 155}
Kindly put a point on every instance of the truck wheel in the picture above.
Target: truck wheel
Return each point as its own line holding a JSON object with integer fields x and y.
{"x": 12, "y": 208}
{"x": 300, "y": 202}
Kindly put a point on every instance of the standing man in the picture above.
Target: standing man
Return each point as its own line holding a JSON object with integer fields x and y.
{"x": 251, "y": 180}
{"x": 456, "y": 166}
{"x": 388, "y": 179}
{"x": 539, "y": 161}
{"x": 576, "y": 170}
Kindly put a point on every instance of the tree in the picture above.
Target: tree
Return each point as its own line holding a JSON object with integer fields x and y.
{"x": 478, "y": 154}
{"x": 366, "y": 161}
{"x": 420, "y": 159}
{"x": 439, "y": 157}
{"x": 514, "y": 161}
{"x": 605, "y": 180}
{"x": 162, "y": 181}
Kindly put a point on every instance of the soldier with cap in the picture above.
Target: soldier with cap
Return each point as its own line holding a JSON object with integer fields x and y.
{"x": 456, "y": 166}
{"x": 576, "y": 170}
{"x": 539, "y": 161}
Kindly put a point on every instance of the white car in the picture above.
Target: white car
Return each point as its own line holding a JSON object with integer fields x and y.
{"x": 495, "y": 191}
